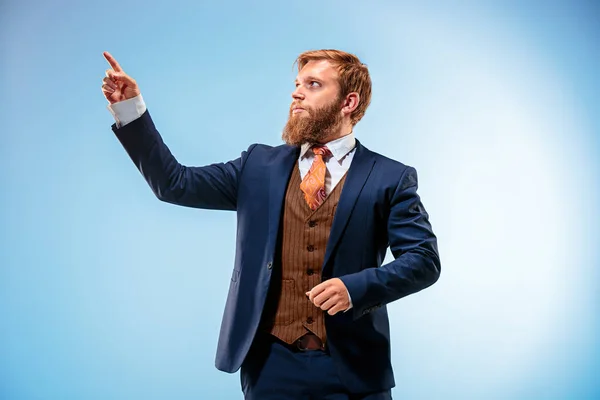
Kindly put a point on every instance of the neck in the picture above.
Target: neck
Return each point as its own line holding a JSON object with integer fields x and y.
{"x": 344, "y": 130}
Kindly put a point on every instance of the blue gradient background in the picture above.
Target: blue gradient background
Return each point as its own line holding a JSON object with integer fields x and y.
{"x": 107, "y": 293}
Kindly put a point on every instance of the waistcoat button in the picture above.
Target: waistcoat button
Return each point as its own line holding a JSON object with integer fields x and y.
{"x": 310, "y": 247}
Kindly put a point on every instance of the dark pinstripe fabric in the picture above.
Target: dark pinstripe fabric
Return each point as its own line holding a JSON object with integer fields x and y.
{"x": 305, "y": 235}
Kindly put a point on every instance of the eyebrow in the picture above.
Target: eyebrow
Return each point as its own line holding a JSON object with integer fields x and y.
{"x": 311, "y": 78}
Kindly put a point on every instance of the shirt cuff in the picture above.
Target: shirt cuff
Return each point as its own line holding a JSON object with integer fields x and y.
{"x": 128, "y": 110}
{"x": 349, "y": 299}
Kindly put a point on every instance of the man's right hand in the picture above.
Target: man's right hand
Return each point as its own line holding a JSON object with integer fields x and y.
{"x": 117, "y": 85}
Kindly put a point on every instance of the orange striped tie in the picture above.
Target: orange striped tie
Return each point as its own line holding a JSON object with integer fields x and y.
{"x": 313, "y": 184}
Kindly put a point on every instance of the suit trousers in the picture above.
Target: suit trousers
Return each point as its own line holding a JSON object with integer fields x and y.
{"x": 272, "y": 370}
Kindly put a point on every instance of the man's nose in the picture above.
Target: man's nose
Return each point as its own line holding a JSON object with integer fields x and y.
{"x": 297, "y": 94}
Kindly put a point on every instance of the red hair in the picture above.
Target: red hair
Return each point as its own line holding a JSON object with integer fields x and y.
{"x": 353, "y": 76}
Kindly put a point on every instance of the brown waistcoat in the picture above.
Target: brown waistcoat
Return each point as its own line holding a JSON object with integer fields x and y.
{"x": 304, "y": 239}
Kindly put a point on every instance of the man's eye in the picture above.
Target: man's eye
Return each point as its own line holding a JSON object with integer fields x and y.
{"x": 314, "y": 83}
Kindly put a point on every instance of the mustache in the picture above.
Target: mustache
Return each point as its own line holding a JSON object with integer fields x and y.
{"x": 294, "y": 105}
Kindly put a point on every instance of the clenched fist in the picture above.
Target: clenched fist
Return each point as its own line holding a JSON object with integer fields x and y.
{"x": 117, "y": 85}
{"x": 330, "y": 295}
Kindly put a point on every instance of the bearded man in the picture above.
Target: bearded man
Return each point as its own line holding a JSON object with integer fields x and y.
{"x": 306, "y": 315}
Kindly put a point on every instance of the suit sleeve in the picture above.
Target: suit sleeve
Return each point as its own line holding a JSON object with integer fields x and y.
{"x": 210, "y": 187}
{"x": 416, "y": 264}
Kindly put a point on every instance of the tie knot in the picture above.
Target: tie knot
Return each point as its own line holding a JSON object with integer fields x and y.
{"x": 321, "y": 151}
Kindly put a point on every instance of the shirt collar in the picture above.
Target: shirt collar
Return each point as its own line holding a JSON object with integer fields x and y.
{"x": 339, "y": 147}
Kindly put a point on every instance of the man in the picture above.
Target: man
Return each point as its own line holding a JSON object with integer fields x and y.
{"x": 306, "y": 313}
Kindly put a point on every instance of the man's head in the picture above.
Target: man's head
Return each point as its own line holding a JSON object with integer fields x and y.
{"x": 333, "y": 91}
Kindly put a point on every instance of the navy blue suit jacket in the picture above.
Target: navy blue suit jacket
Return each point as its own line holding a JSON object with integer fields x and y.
{"x": 379, "y": 207}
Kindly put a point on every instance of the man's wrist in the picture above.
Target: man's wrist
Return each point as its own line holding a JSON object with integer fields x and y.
{"x": 128, "y": 110}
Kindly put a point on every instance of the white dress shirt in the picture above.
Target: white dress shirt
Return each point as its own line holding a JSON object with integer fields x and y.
{"x": 342, "y": 149}
{"x": 127, "y": 111}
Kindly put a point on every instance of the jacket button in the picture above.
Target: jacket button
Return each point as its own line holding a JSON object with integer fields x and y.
{"x": 310, "y": 247}
{"x": 270, "y": 265}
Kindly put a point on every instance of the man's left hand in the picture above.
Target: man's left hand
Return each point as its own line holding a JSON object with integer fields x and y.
{"x": 330, "y": 296}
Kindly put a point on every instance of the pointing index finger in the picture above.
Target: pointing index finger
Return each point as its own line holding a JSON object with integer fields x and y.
{"x": 113, "y": 63}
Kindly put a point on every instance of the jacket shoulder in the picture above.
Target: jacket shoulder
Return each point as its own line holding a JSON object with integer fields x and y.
{"x": 387, "y": 163}
{"x": 394, "y": 172}
{"x": 265, "y": 152}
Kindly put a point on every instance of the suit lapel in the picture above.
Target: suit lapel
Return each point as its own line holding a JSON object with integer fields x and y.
{"x": 281, "y": 168}
{"x": 359, "y": 171}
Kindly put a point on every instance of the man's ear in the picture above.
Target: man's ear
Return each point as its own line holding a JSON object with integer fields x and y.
{"x": 351, "y": 103}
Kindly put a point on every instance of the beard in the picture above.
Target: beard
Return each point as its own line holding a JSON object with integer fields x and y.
{"x": 315, "y": 127}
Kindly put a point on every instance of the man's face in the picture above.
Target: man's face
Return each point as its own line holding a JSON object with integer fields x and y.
{"x": 315, "y": 112}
